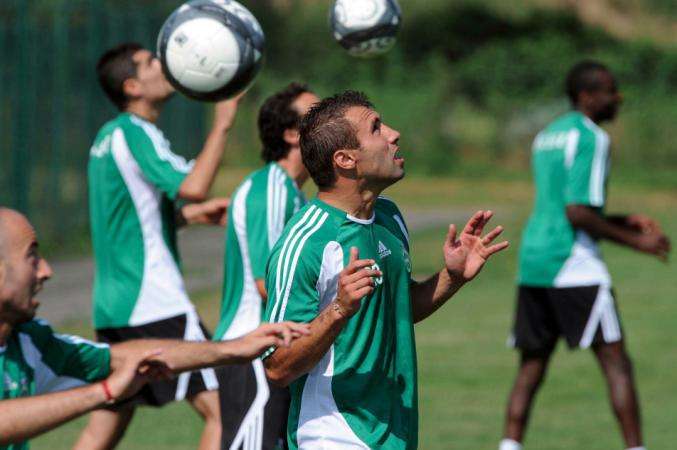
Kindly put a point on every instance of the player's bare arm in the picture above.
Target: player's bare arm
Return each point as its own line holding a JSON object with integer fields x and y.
{"x": 464, "y": 258}
{"x": 27, "y": 417}
{"x": 355, "y": 282}
{"x": 199, "y": 181}
{"x": 635, "y": 231}
{"x": 183, "y": 356}
{"x": 210, "y": 212}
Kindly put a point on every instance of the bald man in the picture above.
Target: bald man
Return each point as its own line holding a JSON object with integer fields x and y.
{"x": 35, "y": 360}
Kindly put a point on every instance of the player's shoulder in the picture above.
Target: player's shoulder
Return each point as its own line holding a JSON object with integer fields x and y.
{"x": 259, "y": 186}
{"x": 134, "y": 127}
{"x": 39, "y": 331}
{"x": 35, "y": 326}
{"x": 387, "y": 206}
{"x": 308, "y": 231}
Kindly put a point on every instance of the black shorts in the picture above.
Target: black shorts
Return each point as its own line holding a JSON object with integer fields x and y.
{"x": 584, "y": 316}
{"x": 187, "y": 384}
{"x": 253, "y": 412}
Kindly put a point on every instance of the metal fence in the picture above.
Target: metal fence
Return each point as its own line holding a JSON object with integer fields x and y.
{"x": 51, "y": 106}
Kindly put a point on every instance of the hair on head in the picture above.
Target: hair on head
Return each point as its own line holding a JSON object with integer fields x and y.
{"x": 324, "y": 130}
{"x": 114, "y": 67}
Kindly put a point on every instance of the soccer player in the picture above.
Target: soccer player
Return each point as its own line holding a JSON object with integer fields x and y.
{"x": 251, "y": 410}
{"x": 134, "y": 181}
{"x": 564, "y": 286}
{"x": 342, "y": 264}
{"x": 35, "y": 360}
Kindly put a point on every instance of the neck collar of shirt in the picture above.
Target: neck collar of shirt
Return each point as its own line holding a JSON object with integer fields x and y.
{"x": 343, "y": 214}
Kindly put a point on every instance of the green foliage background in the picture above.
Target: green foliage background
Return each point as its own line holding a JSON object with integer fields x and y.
{"x": 468, "y": 85}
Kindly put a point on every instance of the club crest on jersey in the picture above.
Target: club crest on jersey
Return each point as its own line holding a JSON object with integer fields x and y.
{"x": 383, "y": 251}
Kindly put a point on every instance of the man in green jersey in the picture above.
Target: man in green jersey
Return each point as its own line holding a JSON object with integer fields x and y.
{"x": 564, "y": 286}
{"x": 251, "y": 410}
{"x": 35, "y": 362}
{"x": 134, "y": 181}
{"x": 342, "y": 264}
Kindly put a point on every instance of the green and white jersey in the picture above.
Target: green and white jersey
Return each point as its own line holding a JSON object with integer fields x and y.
{"x": 133, "y": 180}
{"x": 363, "y": 393}
{"x": 36, "y": 360}
{"x": 259, "y": 209}
{"x": 570, "y": 162}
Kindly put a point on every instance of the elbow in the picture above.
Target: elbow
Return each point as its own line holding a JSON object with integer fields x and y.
{"x": 193, "y": 194}
{"x": 577, "y": 214}
{"x": 278, "y": 377}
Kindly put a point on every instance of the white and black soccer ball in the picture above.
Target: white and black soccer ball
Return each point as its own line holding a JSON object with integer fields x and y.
{"x": 211, "y": 49}
{"x": 365, "y": 27}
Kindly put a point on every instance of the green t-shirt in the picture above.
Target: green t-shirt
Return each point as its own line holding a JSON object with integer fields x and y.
{"x": 36, "y": 360}
{"x": 363, "y": 393}
{"x": 259, "y": 209}
{"x": 133, "y": 180}
{"x": 570, "y": 163}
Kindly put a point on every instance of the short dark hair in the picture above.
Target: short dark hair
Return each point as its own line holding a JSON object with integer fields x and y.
{"x": 583, "y": 77}
{"x": 324, "y": 130}
{"x": 114, "y": 67}
{"x": 277, "y": 115}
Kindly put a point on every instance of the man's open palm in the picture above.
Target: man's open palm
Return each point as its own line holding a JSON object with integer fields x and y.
{"x": 465, "y": 255}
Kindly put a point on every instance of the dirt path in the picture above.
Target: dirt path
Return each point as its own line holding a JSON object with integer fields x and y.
{"x": 67, "y": 296}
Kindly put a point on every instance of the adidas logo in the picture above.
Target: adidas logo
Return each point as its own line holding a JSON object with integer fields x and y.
{"x": 383, "y": 250}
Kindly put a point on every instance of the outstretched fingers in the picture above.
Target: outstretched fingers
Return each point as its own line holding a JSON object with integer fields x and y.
{"x": 496, "y": 248}
{"x": 476, "y": 224}
{"x": 451, "y": 234}
{"x": 493, "y": 234}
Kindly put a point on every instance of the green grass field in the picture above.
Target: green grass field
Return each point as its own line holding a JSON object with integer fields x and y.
{"x": 465, "y": 368}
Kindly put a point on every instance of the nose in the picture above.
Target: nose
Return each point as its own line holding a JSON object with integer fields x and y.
{"x": 393, "y": 135}
{"x": 44, "y": 270}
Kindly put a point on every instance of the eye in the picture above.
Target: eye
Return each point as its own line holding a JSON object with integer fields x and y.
{"x": 376, "y": 127}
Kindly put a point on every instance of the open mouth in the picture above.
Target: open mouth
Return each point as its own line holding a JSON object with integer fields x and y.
{"x": 398, "y": 155}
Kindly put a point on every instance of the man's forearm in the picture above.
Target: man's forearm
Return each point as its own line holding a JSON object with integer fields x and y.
{"x": 428, "y": 296}
{"x": 601, "y": 227}
{"x": 24, "y": 418}
{"x": 180, "y": 356}
{"x": 287, "y": 364}
{"x": 199, "y": 181}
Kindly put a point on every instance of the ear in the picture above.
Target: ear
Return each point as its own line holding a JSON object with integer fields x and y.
{"x": 131, "y": 88}
{"x": 345, "y": 159}
{"x": 291, "y": 136}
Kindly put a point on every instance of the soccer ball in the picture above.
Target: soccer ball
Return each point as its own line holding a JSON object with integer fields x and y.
{"x": 365, "y": 27}
{"x": 211, "y": 49}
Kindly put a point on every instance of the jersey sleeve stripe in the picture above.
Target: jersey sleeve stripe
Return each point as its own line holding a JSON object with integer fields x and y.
{"x": 290, "y": 236}
{"x": 597, "y": 174}
{"x": 161, "y": 146}
{"x": 403, "y": 228}
{"x": 290, "y": 281}
{"x": 571, "y": 148}
{"x": 288, "y": 256}
{"x": 270, "y": 203}
{"x": 281, "y": 206}
{"x": 285, "y": 258}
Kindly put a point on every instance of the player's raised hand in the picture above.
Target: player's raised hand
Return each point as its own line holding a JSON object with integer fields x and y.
{"x": 225, "y": 112}
{"x": 465, "y": 255}
{"x": 355, "y": 282}
{"x": 267, "y": 335}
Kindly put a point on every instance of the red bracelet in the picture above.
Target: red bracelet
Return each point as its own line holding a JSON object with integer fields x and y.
{"x": 106, "y": 390}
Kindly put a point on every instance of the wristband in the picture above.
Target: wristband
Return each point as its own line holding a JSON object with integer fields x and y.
{"x": 106, "y": 390}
